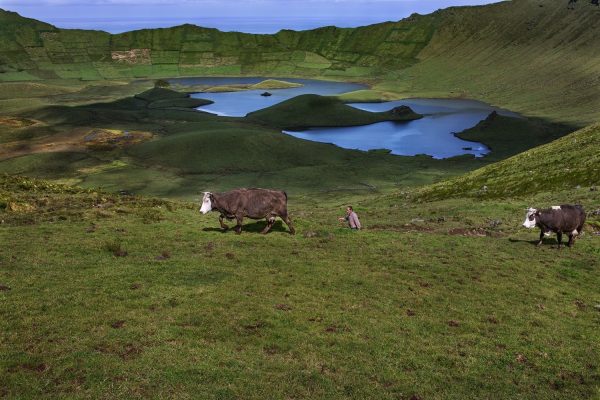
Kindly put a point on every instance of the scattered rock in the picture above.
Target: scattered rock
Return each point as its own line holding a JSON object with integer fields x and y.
{"x": 255, "y": 326}
{"x": 410, "y": 313}
{"x": 230, "y": 256}
{"x": 495, "y": 223}
{"x": 521, "y": 359}
{"x": 165, "y": 255}
{"x": 36, "y": 367}
{"x": 4, "y": 288}
{"x": 266, "y": 94}
{"x": 120, "y": 253}
{"x": 453, "y": 323}
{"x": 467, "y": 148}
{"x": 401, "y": 110}
{"x": 117, "y": 324}
{"x": 580, "y": 304}
{"x": 130, "y": 351}
{"x": 309, "y": 234}
{"x": 469, "y": 232}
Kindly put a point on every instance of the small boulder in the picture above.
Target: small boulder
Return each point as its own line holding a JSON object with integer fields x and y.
{"x": 401, "y": 110}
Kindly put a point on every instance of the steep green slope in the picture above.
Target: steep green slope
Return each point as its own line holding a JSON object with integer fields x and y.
{"x": 531, "y": 56}
{"x": 565, "y": 163}
{"x": 535, "y": 57}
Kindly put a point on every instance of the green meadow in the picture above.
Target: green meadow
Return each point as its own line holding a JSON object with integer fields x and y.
{"x": 113, "y": 285}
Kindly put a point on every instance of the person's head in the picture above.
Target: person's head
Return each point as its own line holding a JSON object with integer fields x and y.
{"x": 349, "y": 209}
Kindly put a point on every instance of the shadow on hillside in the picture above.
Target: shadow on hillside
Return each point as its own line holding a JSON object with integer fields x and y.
{"x": 255, "y": 227}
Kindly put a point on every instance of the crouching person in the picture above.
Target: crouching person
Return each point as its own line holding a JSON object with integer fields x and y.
{"x": 351, "y": 218}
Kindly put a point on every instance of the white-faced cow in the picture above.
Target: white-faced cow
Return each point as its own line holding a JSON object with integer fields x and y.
{"x": 561, "y": 219}
{"x": 251, "y": 203}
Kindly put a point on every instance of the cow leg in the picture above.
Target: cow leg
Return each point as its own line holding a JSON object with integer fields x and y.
{"x": 288, "y": 222}
{"x": 238, "y": 227}
{"x": 270, "y": 222}
{"x": 541, "y": 237}
{"x": 571, "y": 238}
{"x": 223, "y": 225}
{"x": 559, "y": 238}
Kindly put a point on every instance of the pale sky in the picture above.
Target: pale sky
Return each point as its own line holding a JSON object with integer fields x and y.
{"x": 256, "y": 16}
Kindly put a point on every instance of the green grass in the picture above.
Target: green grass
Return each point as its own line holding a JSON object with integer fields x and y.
{"x": 267, "y": 84}
{"x": 566, "y": 163}
{"x": 275, "y": 84}
{"x": 130, "y": 298}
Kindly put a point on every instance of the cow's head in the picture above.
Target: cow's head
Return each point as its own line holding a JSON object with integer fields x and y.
{"x": 530, "y": 218}
{"x": 206, "y": 205}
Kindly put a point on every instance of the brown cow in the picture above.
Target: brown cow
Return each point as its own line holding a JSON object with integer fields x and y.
{"x": 252, "y": 203}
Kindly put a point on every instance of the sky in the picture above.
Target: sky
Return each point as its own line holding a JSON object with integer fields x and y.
{"x": 253, "y": 16}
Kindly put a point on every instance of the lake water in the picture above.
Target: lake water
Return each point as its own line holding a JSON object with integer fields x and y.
{"x": 432, "y": 135}
{"x": 238, "y": 104}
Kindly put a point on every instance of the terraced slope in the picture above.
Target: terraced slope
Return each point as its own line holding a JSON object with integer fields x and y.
{"x": 36, "y": 51}
{"x": 565, "y": 163}
{"x": 533, "y": 56}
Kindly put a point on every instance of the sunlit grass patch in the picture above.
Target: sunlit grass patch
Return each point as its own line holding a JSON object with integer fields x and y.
{"x": 108, "y": 139}
{"x": 17, "y": 122}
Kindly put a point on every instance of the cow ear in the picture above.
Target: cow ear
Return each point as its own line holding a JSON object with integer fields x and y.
{"x": 211, "y": 197}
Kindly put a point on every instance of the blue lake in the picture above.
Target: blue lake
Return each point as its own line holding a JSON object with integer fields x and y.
{"x": 432, "y": 135}
{"x": 238, "y": 104}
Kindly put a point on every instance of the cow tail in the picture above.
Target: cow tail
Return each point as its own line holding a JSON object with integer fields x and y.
{"x": 285, "y": 194}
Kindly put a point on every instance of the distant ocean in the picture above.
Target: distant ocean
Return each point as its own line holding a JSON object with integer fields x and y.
{"x": 238, "y": 24}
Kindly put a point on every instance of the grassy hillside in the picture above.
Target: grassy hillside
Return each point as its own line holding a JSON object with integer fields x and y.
{"x": 566, "y": 163}
{"x": 536, "y": 58}
{"x": 106, "y": 296}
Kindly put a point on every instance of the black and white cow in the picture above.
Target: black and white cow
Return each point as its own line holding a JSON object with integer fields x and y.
{"x": 561, "y": 219}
